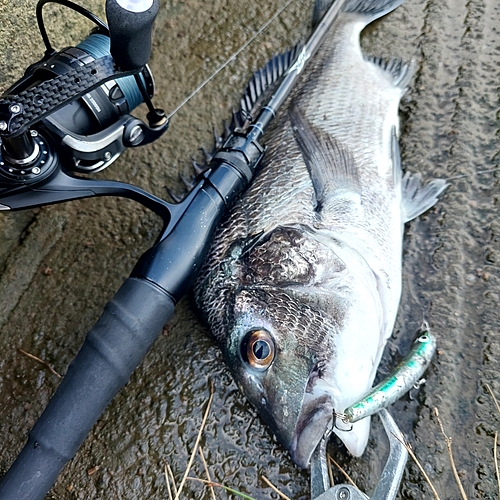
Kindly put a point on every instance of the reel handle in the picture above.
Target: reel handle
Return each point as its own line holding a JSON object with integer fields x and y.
{"x": 130, "y": 27}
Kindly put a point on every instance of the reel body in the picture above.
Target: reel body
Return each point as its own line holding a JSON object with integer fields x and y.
{"x": 70, "y": 113}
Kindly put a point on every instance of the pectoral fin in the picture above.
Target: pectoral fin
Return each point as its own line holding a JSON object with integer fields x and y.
{"x": 331, "y": 166}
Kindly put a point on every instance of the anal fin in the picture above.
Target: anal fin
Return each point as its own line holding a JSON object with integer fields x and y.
{"x": 418, "y": 198}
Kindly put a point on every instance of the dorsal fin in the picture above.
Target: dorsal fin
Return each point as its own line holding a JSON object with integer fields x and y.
{"x": 261, "y": 85}
{"x": 371, "y": 8}
{"x": 264, "y": 81}
{"x": 320, "y": 8}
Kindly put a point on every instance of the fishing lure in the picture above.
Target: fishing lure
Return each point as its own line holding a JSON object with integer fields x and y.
{"x": 398, "y": 383}
{"x": 401, "y": 380}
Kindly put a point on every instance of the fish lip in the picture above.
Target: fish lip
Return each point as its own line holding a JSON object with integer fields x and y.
{"x": 315, "y": 420}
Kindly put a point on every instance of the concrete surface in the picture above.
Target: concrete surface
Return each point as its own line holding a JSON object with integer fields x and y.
{"x": 59, "y": 265}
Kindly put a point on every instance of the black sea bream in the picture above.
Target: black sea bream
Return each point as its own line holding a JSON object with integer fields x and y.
{"x": 303, "y": 282}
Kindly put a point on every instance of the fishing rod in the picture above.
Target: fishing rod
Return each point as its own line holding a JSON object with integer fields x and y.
{"x": 70, "y": 114}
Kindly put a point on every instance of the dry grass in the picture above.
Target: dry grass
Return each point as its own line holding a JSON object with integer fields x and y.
{"x": 271, "y": 485}
{"x": 174, "y": 493}
{"x": 207, "y": 472}
{"x": 167, "y": 480}
{"x": 197, "y": 442}
{"x": 495, "y": 443}
{"x": 330, "y": 472}
{"x": 494, "y": 398}
{"x": 218, "y": 485}
{"x": 169, "y": 477}
{"x": 410, "y": 451}
{"x": 41, "y": 361}
{"x": 448, "y": 441}
{"x": 496, "y": 462}
{"x": 339, "y": 467}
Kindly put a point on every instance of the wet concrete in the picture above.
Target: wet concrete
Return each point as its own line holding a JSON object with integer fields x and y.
{"x": 59, "y": 265}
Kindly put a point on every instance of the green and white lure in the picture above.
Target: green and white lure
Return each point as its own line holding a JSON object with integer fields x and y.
{"x": 401, "y": 380}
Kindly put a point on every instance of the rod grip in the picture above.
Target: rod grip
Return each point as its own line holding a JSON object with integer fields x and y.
{"x": 113, "y": 348}
{"x": 130, "y": 28}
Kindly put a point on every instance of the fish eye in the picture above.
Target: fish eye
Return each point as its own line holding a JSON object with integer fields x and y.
{"x": 258, "y": 349}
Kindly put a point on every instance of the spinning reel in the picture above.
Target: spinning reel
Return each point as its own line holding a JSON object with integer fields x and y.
{"x": 70, "y": 112}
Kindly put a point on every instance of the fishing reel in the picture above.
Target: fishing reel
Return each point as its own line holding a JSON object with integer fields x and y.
{"x": 70, "y": 112}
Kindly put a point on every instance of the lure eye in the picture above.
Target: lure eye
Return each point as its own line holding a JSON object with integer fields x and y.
{"x": 258, "y": 349}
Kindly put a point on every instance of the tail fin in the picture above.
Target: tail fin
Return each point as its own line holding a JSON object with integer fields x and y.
{"x": 371, "y": 8}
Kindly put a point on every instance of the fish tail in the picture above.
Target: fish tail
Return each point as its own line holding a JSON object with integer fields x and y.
{"x": 371, "y": 8}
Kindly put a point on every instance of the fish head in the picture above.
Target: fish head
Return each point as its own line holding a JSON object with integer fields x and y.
{"x": 276, "y": 364}
{"x": 295, "y": 320}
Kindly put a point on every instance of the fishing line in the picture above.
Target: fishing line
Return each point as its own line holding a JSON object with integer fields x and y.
{"x": 463, "y": 176}
{"x": 241, "y": 49}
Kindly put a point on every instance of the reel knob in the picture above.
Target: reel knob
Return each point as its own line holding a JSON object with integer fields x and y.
{"x": 130, "y": 27}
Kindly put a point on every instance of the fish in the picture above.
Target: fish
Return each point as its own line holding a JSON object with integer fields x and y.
{"x": 303, "y": 281}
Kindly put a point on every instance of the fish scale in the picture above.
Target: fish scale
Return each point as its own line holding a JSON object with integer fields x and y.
{"x": 309, "y": 262}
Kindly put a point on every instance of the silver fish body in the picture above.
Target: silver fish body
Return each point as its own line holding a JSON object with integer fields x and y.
{"x": 303, "y": 282}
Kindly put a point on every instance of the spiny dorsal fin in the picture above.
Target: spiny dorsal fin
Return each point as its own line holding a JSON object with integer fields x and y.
{"x": 331, "y": 167}
{"x": 401, "y": 72}
{"x": 320, "y": 8}
{"x": 261, "y": 85}
{"x": 264, "y": 81}
{"x": 371, "y": 8}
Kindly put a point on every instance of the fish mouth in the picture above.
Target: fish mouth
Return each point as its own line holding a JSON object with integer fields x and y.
{"x": 316, "y": 418}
